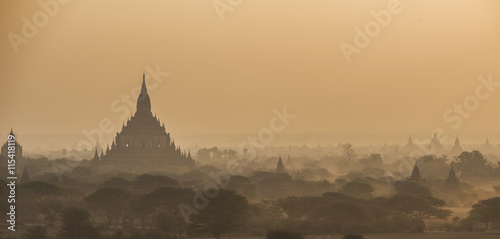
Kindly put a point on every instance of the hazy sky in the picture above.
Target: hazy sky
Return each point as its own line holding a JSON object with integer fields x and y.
{"x": 227, "y": 76}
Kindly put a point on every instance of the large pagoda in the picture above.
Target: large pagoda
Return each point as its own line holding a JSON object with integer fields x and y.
{"x": 144, "y": 139}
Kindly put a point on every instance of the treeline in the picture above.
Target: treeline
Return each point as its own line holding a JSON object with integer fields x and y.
{"x": 155, "y": 206}
{"x": 125, "y": 205}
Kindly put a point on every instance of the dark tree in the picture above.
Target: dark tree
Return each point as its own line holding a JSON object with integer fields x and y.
{"x": 41, "y": 189}
{"x": 224, "y": 213}
{"x": 486, "y": 211}
{"x": 412, "y": 188}
{"x": 147, "y": 183}
{"x": 37, "y": 232}
{"x": 76, "y": 224}
{"x": 108, "y": 204}
{"x": 374, "y": 160}
{"x": 50, "y": 209}
{"x": 162, "y": 206}
{"x": 116, "y": 182}
{"x": 473, "y": 164}
{"x": 357, "y": 189}
{"x": 107, "y": 196}
{"x": 342, "y": 213}
{"x": 242, "y": 185}
{"x": 419, "y": 208}
{"x": 299, "y": 207}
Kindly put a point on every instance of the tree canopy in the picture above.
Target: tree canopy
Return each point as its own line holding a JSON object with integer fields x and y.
{"x": 223, "y": 214}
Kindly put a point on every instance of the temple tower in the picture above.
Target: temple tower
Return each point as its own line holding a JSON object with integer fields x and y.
{"x": 452, "y": 183}
{"x": 280, "y": 168}
{"x": 457, "y": 149}
{"x": 415, "y": 174}
{"x": 144, "y": 139}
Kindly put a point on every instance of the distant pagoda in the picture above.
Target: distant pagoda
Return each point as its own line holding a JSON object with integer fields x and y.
{"x": 410, "y": 146}
{"x": 143, "y": 139}
{"x": 94, "y": 162}
{"x": 415, "y": 174}
{"x": 289, "y": 162}
{"x": 299, "y": 175}
{"x": 25, "y": 177}
{"x": 280, "y": 167}
{"x": 457, "y": 149}
{"x": 435, "y": 146}
{"x": 486, "y": 147}
{"x": 452, "y": 183}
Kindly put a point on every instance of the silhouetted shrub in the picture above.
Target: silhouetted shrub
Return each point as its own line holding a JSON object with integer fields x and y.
{"x": 283, "y": 235}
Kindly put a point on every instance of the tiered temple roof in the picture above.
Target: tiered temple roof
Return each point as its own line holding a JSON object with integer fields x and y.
{"x": 143, "y": 137}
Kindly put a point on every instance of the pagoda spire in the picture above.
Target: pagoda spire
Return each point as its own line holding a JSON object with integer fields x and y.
{"x": 435, "y": 145}
{"x": 143, "y": 101}
{"x": 457, "y": 142}
{"x": 457, "y": 149}
{"x": 189, "y": 155}
{"x": 25, "y": 176}
{"x": 280, "y": 167}
{"x": 94, "y": 162}
{"x": 97, "y": 145}
{"x": 487, "y": 144}
{"x": 415, "y": 174}
{"x": 452, "y": 183}
{"x": 143, "y": 88}
{"x": 96, "y": 156}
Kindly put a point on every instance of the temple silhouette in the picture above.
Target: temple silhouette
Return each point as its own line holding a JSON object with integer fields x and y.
{"x": 280, "y": 167}
{"x": 18, "y": 149}
{"x": 19, "y": 157}
{"x": 143, "y": 141}
{"x": 415, "y": 174}
{"x": 452, "y": 183}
